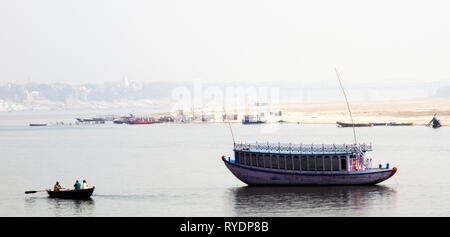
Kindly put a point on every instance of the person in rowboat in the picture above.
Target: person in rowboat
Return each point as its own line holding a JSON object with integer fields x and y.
{"x": 57, "y": 187}
{"x": 77, "y": 185}
{"x": 84, "y": 185}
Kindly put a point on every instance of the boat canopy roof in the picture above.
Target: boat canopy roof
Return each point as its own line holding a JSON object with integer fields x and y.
{"x": 302, "y": 149}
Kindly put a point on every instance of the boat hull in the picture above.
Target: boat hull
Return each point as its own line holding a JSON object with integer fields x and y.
{"x": 38, "y": 124}
{"x": 262, "y": 176}
{"x": 253, "y": 122}
{"x": 341, "y": 124}
{"x": 72, "y": 194}
{"x": 140, "y": 122}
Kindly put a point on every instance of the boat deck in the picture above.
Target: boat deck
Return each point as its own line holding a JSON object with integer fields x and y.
{"x": 302, "y": 149}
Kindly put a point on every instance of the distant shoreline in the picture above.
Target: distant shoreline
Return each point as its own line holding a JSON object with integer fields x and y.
{"x": 308, "y": 123}
{"x": 418, "y": 112}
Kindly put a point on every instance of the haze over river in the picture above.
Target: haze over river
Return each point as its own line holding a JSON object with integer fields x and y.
{"x": 176, "y": 170}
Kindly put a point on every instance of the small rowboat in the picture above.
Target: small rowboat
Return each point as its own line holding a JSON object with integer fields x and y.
{"x": 436, "y": 125}
{"x": 38, "y": 124}
{"x": 71, "y": 193}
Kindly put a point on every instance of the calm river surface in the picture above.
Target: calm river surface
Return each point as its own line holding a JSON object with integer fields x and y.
{"x": 176, "y": 170}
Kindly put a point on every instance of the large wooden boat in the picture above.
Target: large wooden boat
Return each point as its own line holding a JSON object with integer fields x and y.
{"x": 341, "y": 124}
{"x": 300, "y": 164}
{"x": 310, "y": 164}
{"x": 71, "y": 193}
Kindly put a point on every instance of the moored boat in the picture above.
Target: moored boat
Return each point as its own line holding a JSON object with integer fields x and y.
{"x": 400, "y": 124}
{"x": 118, "y": 121}
{"x": 341, "y": 124}
{"x": 392, "y": 124}
{"x": 253, "y": 122}
{"x": 90, "y": 120}
{"x": 435, "y": 123}
{"x": 381, "y": 124}
{"x": 300, "y": 164}
{"x": 307, "y": 164}
{"x": 38, "y": 124}
{"x": 250, "y": 119}
{"x": 140, "y": 121}
{"x": 71, "y": 193}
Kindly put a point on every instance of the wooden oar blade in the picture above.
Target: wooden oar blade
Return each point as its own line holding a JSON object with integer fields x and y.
{"x": 33, "y": 191}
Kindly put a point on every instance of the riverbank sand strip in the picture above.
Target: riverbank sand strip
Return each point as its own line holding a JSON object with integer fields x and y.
{"x": 415, "y": 111}
{"x": 419, "y": 112}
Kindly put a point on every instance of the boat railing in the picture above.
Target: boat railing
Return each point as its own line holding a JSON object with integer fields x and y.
{"x": 302, "y": 148}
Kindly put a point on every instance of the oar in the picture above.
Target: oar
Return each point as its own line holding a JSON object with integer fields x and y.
{"x": 28, "y": 192}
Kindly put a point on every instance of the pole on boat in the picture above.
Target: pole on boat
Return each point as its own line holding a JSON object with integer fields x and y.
{"x": 229, "y": 125}
{"x": 348, "y": 105}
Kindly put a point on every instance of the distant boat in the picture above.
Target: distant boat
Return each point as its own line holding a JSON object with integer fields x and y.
{"x": 71, "y": 193}
{"x": 392, "y": 124}
{"x": 381, "y": 124}
{"x": 400, "y": 124}
{"x": 123, "y": 119}
{"x": 38, "y": 124}
{"x": 118, "y": 121}
{"x": 166, "y": 119}
{"x": 341, "y": 124}
{"x": 91, "y": 120}
{"x": 249, "y": 119}
{"x": 435, "y": 123}
{"x": 141, "y": 121}
{"x": 253, "y": 122}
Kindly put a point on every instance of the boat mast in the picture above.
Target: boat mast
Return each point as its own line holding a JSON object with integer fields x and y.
{"x": 229, "y": 125}
{"x": 348, "y": 105}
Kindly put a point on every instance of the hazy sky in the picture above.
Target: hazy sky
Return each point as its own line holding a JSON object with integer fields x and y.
{"x": 289, "y": 41}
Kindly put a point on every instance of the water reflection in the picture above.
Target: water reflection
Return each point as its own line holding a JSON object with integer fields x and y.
{"x": 59, "y": 207}
{"x": 313, "y": 201}
{"x": 69, "y": 207}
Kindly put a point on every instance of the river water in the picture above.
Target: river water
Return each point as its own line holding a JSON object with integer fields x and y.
{"x": 176, "y": 170}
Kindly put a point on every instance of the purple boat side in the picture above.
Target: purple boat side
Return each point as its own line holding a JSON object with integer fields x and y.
{"x": 265, "y": 176}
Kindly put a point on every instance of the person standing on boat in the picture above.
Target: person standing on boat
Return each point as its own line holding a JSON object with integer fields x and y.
{"x": 77, "y": 185}
{"x": 57, "y": 187}
{"x": 84, "y": 185}
{"x": 435, "y": 121}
